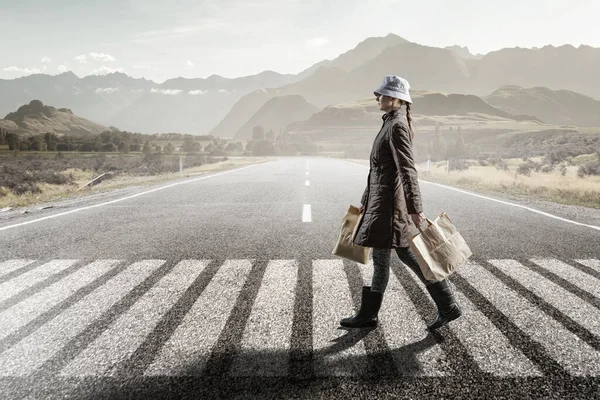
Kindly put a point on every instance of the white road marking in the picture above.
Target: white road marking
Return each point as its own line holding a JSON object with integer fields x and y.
{"x": 190, "y": 346}
{"x": 593, "y": 263}
{"x": 29, "y": 354}
{"x": 306, "y": 213}
{"x": 499, "y": 201}
{"x": 336, "y": 353}
{"x": 13, "y": 265}
{"x": 125, "y": 335}
{"x": 490, "y": 349}
{"x": 265, "y": 346}
{"x": 124, "y": 198}
{"x": 572, "y": 306}
{"x": 516, "y": 205}
{"x": 571, "y": 274}
{"x": 269, "y": 327}
{"x": 28, "y": 279}
{"x": 576, "y": 356}
{"x": 307, "y": 183}
{"x": 27, "y": 310}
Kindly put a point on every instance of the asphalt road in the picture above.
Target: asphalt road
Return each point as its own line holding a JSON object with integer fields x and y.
{"x": 224, "y": 286}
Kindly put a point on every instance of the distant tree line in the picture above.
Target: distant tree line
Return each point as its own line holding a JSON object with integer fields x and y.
{"x": 116, "y": 141}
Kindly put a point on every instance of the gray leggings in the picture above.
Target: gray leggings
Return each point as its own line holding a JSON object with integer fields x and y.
{"x": 381, "y": 265}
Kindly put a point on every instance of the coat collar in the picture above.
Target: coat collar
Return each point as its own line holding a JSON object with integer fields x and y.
{"x": 390, "y": 114}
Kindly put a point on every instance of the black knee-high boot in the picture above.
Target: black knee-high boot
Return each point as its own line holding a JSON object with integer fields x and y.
{"x": 369, "y": 308}
{"x": 448, "y": 309}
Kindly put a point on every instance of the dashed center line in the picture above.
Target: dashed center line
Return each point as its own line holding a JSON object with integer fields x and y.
{"x": 306, "y": 214}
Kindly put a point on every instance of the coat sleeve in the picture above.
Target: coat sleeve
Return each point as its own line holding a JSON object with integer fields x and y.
{"x": 401, "y": 146}
{"x": 363, "y": 199}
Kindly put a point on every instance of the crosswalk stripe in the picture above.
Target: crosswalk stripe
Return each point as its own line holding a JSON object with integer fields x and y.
{"x": 30, "y": 278}
{"x": 27, "y": 310}
{"x": 122, "y": 338}
{"x": 9, "y": 266}
{"x": 578, "y": 310}
{"x": 577, "y": 357}
{"x": 265, "y": 343}
{"x": 190, "y": 346}
{"x": 269, "y": 328}
{"x": 591, "y": 263}
{"x": 571, "y": 275}
{"x": 415, "y": 352}
{"x": 488, "y": 346}
{"x": 335, "y": 354}
{"x": 30, "y": 353}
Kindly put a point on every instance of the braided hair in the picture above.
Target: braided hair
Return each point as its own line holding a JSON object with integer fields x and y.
{"x": 408, "y": 118}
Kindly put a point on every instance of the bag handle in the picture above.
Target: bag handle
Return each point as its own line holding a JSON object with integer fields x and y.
{"x": 429, "y": 222}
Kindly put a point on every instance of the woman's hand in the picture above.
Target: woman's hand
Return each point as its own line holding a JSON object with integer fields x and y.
{"x": 418, "y": 219}
{"x": 361, "y": 208}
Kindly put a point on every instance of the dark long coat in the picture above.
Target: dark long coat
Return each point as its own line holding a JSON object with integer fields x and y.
{"x": 392, "y": 191}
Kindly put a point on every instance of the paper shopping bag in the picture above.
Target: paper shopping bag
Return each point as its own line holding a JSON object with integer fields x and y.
{"x": 345, "y": 247}
{"x": 440, "y": 249}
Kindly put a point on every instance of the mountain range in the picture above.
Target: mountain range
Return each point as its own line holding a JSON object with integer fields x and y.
{"x": 222, "y": 106}
{"x": 560, "y": 107}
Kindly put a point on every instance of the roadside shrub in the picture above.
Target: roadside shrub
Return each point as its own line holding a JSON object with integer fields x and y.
{"x": 51, "y": 177}
{"x": 591, "y": 168}
{"x": 556, "y": 156}
{"x": 458, "y": 165}
{"x": 563, "y": 169}
{"x": 501, "y": 164}
{"x": 22, "y": 174}
{"x": 548, "y": 168}
{"x": 526, "y": 168}
{"x": 24, "y": 187}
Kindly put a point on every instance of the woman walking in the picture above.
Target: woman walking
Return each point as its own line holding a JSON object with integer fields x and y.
{"x": 391, "y": 201}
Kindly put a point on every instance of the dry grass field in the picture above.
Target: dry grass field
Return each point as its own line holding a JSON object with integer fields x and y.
{"x": 51, "y": 192}
{"x": 551, "y": 186}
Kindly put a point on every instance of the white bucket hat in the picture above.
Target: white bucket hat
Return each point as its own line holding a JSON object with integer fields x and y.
{"x": 396, "y": 87}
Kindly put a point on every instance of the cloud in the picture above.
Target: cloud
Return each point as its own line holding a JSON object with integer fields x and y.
{"x": 101, "y": 57}
{"x": 62, "y": 68}
{"x": 141, "y": 66}
{"x": 103, "y": 70}
{"x": 317, "y": 41}
{"x": 14, "y": 68}
{"x": 189, "y": 65}
{"x": 177, "y": 32}
{"x": 223, "y": 91}
{"x": 170, "y": 92}
{"x": 95, "y": 57}
{"x": 46, "y": 60}
{"x": 81, "y": 58}
{"x": 137, "y": 90}
{"x": 107, "y": 90}
{"x": 197, "y": 92}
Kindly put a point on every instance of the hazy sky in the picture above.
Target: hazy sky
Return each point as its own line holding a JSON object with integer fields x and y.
{"x": 161, "y": 39}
